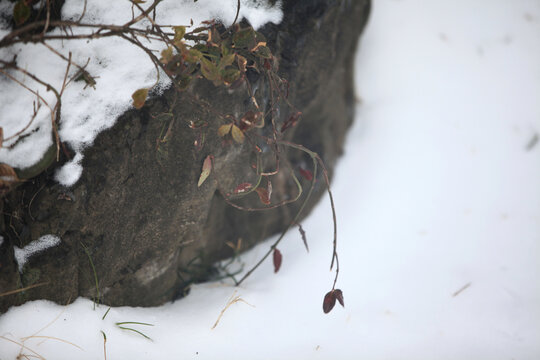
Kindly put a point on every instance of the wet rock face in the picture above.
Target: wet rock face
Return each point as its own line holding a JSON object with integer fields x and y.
{"x": 136, "y": 222}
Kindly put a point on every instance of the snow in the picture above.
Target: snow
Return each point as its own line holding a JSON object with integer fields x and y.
{"x": 438, "y": 189}
{"x": 36, "y": 246}
{"x": 119, "y": 68}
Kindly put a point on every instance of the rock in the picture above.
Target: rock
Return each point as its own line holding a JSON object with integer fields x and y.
{"x": 136, "y": 222}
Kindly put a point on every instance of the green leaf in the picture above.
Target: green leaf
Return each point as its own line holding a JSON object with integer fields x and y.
{"x": 166, "y": 55}
{"x": 206, "y": 169}
{"x": 226, "y": 61}
{"x": 193, "y": 56}
{"x": 21, "y": 12}
{"x": 224, "y": 129}
{"x": 237, "y": 134}
{"x": 243, "y": 38}
{"x": 209, "y": 69}
{"x": 179, "y": 32}
{"x": 264, "y": 52}
{"x": 139, "y": 97}
{"x": 230, "y": 75}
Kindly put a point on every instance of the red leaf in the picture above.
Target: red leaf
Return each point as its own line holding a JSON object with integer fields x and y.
{"x": 329, "y": 301}
{"x": 277, "y": 260}
{"x": 243, "y": 187}
{"x": 339, "y": 296}
{"x": 308, "y": 175}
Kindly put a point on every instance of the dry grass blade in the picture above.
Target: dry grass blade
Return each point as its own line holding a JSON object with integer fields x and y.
{"x": 232, "y": 300}
{"x": 22, "y": 347}
{"x": 53, "y": 338}
{"x": 16, "y": 291}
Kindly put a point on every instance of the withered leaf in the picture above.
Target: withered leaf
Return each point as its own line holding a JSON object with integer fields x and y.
{"x": 224, "y": 129}
{"x": 139, "y": 98}
{"x": 308, "y": 175}
{"x": 263, "y": 195}
{"x": 339, "y": 297}
{"x": 206, "y": 169}
{"x": 329, "y": 301}
{"x": 277, "y": 260}
{"x": 303, "y": 234}
{"x": 242, "y": 188}
{"x": 237, "y": 134}
{"x": 291, "y": 121}
{"x": 8, "y": 178}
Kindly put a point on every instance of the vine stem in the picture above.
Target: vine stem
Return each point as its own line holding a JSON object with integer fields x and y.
{"x": 316, "y": 162}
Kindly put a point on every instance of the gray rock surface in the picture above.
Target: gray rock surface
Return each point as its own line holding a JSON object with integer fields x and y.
{"x": 137, "y": 217}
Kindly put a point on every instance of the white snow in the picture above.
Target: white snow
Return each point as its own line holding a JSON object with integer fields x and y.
{"x": 436, "y": 191}
{"x": 36, "y": 246}
{"x": 119, "y": 68}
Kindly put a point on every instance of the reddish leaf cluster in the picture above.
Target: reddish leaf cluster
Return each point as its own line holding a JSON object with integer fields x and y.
{"x": 330, "y": 300}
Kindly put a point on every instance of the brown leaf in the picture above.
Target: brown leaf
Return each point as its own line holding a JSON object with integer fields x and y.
{"x": 291, "y": 121}
{"x": 8, "y": 178}
{"x": 303, "y": 234}
{"x": 329, "y": 301}
{"x": 1, "y": 136}
{"x": 237, "y": 134}
{"x": 242, "y": 63}
{"x": 308, "y": 175}
{"x": 277, "y": 260}
{"x": 224, "y": 129}
{"x": 263, "y": 195}
{"x": 339, "y": 297}
{"x": 206, "y": 169}
{"x": 242, "y": 188}
{"x": 139, "y": 98}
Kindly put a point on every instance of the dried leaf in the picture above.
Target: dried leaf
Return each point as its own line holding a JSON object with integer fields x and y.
{"x": 277, "y": 260}
{"x": 291, "y": 121}
{"x": 303, "y": 234}
{"x": 21, "y": 12}
{"x": 242, "y": 63}
{"x": 339, "y": 297}
{"x": 329, "y": 301}
{"x": 308, "y": 175}
{"x": 1, "y": 136}
{"x": 206, "y": 169}
{"x": 237, "y": 134}
{"x": 8, "y": 178}
{"x": 242, "y": 188}
{"x": 139, "y": 98}
{"x": 263, "y": 195}
{"x": 224, "y": 129}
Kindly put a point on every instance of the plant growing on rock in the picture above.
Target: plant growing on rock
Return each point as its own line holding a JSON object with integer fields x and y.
{"x": 226, "y": 57}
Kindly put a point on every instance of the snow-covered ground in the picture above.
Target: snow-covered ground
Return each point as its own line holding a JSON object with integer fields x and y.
{"x": 438, "y": 199}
